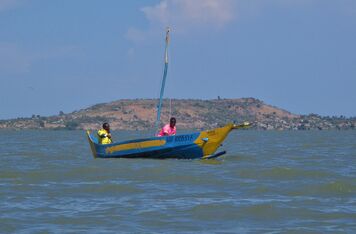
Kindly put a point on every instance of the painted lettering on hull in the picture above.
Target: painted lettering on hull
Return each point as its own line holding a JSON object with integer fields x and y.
{"x": 181, "y": 138}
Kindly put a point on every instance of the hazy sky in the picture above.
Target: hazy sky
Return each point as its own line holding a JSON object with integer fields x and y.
{"x": 64, "y": 55}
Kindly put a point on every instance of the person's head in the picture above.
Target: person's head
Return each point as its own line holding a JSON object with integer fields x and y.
{"x": 172, "y": 122}
{"x": 106, "y": 126}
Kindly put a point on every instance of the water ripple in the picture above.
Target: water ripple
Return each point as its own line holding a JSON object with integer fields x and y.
{"x": 269, "y": 182}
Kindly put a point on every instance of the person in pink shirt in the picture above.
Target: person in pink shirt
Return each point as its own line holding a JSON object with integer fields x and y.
{"x": 169, "y": 129}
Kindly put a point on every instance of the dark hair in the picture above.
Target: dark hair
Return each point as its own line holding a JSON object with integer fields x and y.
{"x": 106, "y": 125}
{"x": 172, "y": 119}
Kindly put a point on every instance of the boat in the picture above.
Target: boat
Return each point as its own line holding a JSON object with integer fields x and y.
{"x": 195, "y": 145}
{"x": 202, "y": 145}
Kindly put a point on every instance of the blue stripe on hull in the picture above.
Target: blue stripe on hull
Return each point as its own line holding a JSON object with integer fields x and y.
{"x": 179, "y": 146}
{"x": 180, "y": 152}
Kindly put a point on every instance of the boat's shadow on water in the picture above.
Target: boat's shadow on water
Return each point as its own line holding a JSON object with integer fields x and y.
{"x": 224, "y": 159}
{"x": 211, "y": 161}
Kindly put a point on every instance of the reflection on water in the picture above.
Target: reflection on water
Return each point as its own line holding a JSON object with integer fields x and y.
{"x": 267, "y": 182}
{"x": 212, "y": 161}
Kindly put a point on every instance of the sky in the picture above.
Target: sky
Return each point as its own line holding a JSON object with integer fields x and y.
{"x": 64, "y": 55}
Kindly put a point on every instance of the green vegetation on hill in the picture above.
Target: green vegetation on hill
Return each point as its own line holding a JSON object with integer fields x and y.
{"x": 140, "y": 114}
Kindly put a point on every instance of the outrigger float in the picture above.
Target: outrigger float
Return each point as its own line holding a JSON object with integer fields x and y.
{"x": 197, "y": 145}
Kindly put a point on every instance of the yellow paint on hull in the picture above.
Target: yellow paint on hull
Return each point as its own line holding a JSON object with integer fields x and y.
{"x": 211, "y": 140}
{"x": 135, "y": 145}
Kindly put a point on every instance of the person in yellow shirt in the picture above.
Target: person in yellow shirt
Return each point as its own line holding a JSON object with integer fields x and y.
{"x": 104, "y": 134}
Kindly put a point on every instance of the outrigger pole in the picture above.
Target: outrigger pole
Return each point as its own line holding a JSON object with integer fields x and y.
{"x": 159, "y": 106}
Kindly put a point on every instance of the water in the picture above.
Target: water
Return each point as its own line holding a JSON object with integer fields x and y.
{"x": 269, "y": 182}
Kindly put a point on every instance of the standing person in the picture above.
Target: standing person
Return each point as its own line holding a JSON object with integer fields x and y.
{"x": 104, "y": 134}
{"x": 169, "y": 129}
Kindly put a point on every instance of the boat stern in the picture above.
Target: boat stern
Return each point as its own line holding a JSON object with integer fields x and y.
{"x": 91, "y": 141}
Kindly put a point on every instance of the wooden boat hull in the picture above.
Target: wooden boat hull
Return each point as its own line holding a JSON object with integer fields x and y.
{"x": 184, "y": 146}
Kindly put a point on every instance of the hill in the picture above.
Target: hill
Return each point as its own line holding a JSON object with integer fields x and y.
{"x": 140, "y": 114}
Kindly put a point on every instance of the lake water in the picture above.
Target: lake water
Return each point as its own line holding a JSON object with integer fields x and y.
{"x": 269, "y": 182}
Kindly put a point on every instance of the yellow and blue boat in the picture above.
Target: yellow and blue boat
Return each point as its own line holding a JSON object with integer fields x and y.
{"x": 184, "y": 146}
{"x": 202, "y": 145}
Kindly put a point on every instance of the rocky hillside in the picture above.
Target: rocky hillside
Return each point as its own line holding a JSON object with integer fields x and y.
{"x": 140, "y": 114}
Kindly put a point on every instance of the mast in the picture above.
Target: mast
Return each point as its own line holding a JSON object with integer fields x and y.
{"x": 159, "y": 106}
{"x": 170, "y": 108}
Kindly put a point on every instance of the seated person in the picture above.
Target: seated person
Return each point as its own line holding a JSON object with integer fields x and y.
{"x": 104, "y": 135}
{"x": 169, "y": 129}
